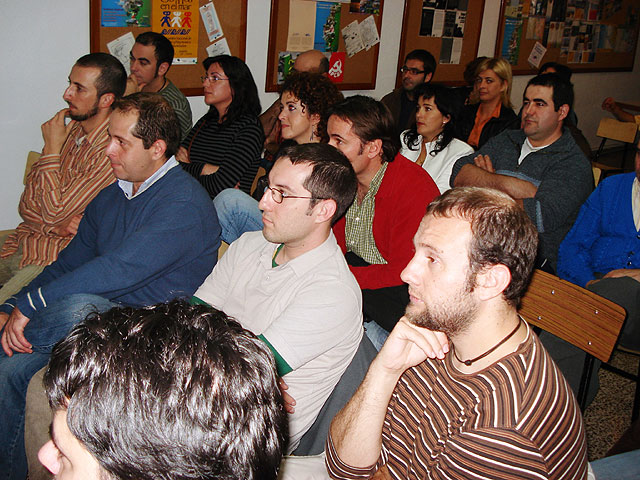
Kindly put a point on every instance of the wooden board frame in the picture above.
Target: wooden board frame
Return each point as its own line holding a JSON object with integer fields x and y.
{"x": 609, "y": 62}
{"x": 233, "y": 19}
{"x": 448, "y": 74}
{"x": 359, "y": 71}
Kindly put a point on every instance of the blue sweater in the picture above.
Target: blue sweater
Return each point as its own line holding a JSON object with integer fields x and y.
{"x": 149, "y": 249}
{"x": 604, "y": 237}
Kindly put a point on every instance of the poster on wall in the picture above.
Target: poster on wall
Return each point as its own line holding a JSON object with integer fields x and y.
{"x": 178, "y": 21}
{"x": 125, "y": 13}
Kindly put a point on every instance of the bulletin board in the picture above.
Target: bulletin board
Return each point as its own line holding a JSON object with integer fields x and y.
{"x": 585, "y": 35}
{"x": 442, "y": 28}
{"x": 358, "y": 71}
{"x": 232, "y": 15}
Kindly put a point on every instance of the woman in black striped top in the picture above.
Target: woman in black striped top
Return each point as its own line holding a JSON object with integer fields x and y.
{"x": 223, "y": 148}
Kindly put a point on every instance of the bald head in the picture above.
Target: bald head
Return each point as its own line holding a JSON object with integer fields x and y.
{"x": 312, "y": 61}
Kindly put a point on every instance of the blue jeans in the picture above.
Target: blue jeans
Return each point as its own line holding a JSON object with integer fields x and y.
{"x": 625, "y": 466}
{"x": 44, "y": 330}
{"x": 237, "y": 213}
{"x": 376, "y": 334}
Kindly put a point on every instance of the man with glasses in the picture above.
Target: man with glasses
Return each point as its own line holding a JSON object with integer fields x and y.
{"x": 419, "y": 66}
{"x": 290, "y": 284}
{"x": 150, "y": 60}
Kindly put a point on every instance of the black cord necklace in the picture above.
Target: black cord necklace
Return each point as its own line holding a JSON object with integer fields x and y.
{"x": 473, "y": 360}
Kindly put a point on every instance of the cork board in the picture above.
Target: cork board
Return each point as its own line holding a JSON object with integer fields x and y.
{"x": 232, "y": 15}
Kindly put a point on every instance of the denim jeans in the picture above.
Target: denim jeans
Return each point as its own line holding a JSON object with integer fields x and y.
{"x": 44, "y": 330}
{"x": 376, "y": 334}
{"x": 625, "y": 466}
{"x": 237, "y": 213}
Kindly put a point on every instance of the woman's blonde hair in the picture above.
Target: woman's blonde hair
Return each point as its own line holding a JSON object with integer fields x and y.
{"x": 502, "y": 69}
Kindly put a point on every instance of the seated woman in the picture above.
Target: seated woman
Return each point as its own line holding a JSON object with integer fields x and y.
{"x": 304, "y": 101}
{"x": 493, "y": 111}
{"x": 430, "y": 141}
{"x": 223, "y": 148}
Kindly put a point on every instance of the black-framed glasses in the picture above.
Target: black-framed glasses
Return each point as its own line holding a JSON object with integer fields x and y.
{"x": 412, "y": 71}
{"x": 212, "y": 78}
{"x": 278, "y": 195}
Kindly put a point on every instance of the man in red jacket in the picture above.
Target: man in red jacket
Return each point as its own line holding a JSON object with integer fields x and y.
{"x": 393, "y": 193}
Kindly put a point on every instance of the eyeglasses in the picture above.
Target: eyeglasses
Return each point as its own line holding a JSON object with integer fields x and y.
{"x": 212, "y": 78}
{"x": 278, "y": 195}
{"x": 412, "y": 71}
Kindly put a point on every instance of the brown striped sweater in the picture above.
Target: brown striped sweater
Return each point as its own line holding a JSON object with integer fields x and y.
{"x": 58, "y": 188}
{"x": 515, "y": 419}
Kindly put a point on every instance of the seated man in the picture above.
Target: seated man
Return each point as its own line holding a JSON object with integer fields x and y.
{"x": 393, "y": 192}
{"x": 419, "y": 67}
{"x": 599, "y": 251}
{"x": 540, "y": 166}
{"x": 290, "y": 285}
{"x": 492, "y": 404}
{"x": 148, "y": 238}
{"x": 126, "y": 403}
{"x": 150, "y": 61}
{"x": 71, "y": 171}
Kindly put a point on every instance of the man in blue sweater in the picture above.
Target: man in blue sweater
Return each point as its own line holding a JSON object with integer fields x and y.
{"x": 148, "y": 238}
{"x": 599, "y": 251}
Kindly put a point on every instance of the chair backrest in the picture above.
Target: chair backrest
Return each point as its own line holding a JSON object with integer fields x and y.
{"x": 32, "y": 157}
{"x": 578, "y": 316}
{"x": 597, "y": 173}
{"x": 615, "y": 130}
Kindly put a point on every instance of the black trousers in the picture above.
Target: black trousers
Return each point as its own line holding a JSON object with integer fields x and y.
{"x": 384, "y": 306}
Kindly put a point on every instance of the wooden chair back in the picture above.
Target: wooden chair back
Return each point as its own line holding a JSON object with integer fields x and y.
{"x": 574, "y": 314}
{"x": 621, "y": 131}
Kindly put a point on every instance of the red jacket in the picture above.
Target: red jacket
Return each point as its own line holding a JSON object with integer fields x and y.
{"x": 400, "y": 204}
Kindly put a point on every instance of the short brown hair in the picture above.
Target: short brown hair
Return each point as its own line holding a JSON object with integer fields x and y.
{"x": 501, "y": 233}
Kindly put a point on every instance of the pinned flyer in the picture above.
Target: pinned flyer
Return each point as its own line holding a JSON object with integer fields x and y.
{"x": 336, "y": 67}
{"x": 221, "y": 47}
{"x": 535, "y": 57}
{"x": 211, "y": 22}
{"x": 121, "y": 48}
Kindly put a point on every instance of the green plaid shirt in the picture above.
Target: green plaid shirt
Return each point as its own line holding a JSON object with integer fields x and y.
{"x": 359, "y": 223}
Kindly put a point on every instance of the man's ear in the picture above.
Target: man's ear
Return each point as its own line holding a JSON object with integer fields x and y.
{"x": 163, "y": 68}
{"x": 325, "y": 210}
{"x": 563, "y": 111}
{"x": 106, "y": 100}
{"x": 374, "y": 148}
{"x": 492, "y": 281}
{"x": 427, "y": 77}
{"x": 158, "y": 149}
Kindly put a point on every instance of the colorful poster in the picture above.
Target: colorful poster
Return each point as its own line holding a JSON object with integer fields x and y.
{"x": 512, "y": 38}
{"x": 336, "y": 67}
{"x": 125, "y": 13}
{"x": 178, "y": 21}
{"x": 327, "y": 26}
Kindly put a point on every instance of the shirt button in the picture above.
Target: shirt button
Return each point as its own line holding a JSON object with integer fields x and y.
{"x": 629, "y": 264}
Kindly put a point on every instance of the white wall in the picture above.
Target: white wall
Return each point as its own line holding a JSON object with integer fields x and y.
{"x": 41, "y": 40}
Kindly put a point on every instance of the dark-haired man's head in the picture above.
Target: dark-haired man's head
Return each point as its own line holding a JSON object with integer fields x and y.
{"x": 150, "y": 59}
{"x": 170, "y": 391}
{"x": 95, "y": 82}
{"x": 547, "y": 101}
{"x": 419, "y": 66}
{"x": 554, "y": 67}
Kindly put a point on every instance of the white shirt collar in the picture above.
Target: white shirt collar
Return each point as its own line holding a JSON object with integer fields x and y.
{"x": 127, "y": 187}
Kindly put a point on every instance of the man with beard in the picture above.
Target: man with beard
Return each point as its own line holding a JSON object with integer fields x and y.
{"x": 71, "y": 171}
{"x": 419, "y": 66}
{"x": 489, "y": 404}
{"x": 150, "y": 60}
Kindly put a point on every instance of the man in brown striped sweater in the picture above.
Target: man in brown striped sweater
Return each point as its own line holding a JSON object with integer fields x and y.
{"x": 463, "y": 388}
{"x": 71, "y": 171}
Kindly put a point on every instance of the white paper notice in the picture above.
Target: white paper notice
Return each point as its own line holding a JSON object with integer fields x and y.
{"x": 535, "y": 57}
{"x": 121, "y": 48}
{"x": 456, "y": 50}
{"x": 438, "y": 23}
{"x": 221, "y": 47}
{"x": 352, "y": 39}
{"x": 210, "y": 21}
{"x": 369, "y": 32}
{"x": 302, "y": 25}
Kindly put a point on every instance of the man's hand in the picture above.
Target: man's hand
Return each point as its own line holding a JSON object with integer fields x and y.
{"x": 13, "y": 337}
{"x": 68, "y": 228}
{"x": 289, "y": 401}
{"x": 3, "y": 319}
{"x": 484, "y": 162}
{"x": 133, "y": 86}
{"x": 182, "y": 155}
{"x": 609, "y": 104}
{"x": 208, "y": 169}
{"x": 54, "y": 133}
{"x": 408, "y": 345}
{"x": 624, "y": 272}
